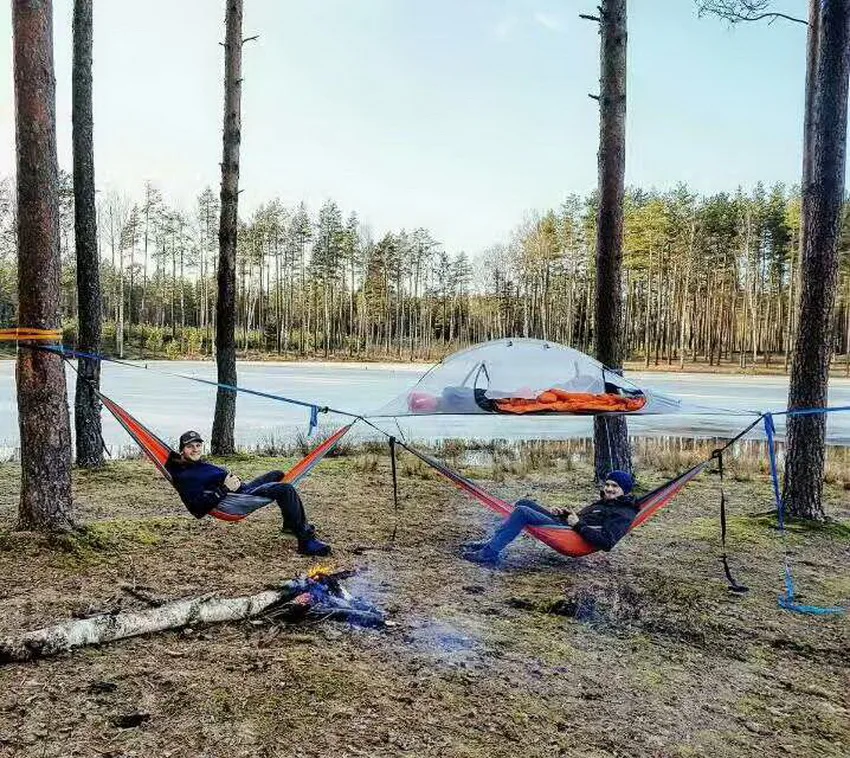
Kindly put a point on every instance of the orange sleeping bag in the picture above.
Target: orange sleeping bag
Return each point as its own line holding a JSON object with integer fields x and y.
{"x": 560, "y": 401}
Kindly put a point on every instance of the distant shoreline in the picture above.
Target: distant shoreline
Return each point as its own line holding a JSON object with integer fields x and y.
{"x": 838, "y": 370}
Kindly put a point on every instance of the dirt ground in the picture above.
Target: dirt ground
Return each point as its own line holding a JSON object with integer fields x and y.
{"x": 640, "y": 652}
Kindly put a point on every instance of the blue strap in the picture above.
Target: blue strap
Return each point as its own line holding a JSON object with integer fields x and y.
{"x": 770, "y": 433}
{"x": 788, "y": 602}
{"x": 812, "y": 411}
{"x": 314, "y": 419}
{"x": 64, "y": 351}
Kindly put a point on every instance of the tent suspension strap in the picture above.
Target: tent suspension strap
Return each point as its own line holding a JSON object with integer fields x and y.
{"x": 392, "y": 443}
{"x": 734, "y": 585}
{"x": 67, "y": 352}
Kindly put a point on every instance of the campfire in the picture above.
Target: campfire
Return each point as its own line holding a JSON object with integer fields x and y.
{"x": 321, "y": 595}
{"x": 318, "y": 595}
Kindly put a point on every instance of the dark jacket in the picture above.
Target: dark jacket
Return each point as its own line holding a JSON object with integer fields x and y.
{"x": 604, "y": 523}
{"x": 200, "y": 485}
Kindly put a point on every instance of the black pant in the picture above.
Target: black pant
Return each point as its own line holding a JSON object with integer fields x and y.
{"x": 262, "y": 491}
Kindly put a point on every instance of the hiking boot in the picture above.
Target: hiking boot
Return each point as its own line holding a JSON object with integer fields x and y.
{"x": 484, "y": 556}
{"x": 313, "y": 546}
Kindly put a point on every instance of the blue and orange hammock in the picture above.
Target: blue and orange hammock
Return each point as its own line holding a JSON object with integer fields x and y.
{"x": 564, "y": 539}
{"x": 159, "y": 452}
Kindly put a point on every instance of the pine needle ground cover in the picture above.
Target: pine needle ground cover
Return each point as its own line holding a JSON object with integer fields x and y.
{"x": 638, "y": 652}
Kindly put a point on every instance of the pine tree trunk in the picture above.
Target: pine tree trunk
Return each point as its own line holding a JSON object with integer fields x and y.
{"x": 610, "y": 433}
{"x": 225, "y": 338}
{"x": 119, "y": 328}
{"x": 46, "y": 502}
{"x": 847, "y": 329}
{"x": 823, "y": 196}
{"x": 789, "y": 317}
{"x": 86, "y": 404}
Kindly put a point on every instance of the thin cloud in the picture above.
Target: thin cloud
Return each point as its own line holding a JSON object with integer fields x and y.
{"x": 503, "y": 29}
{"x": 547, "y": 20}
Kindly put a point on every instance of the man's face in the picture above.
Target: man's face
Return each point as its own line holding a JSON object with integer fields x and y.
{"x": 611, "y": 490}
{"x": 192, "y": 451}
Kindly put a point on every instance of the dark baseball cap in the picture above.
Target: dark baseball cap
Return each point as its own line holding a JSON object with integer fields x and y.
{"x": 188, "y": 437}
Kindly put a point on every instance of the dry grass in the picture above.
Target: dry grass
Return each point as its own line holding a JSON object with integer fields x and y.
{"x": 640, "y": 652}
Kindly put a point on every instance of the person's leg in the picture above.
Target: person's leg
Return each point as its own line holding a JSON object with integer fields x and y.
{"x": 521, "y": 517}
{"x": 294, "y": 517}
{"x": 529, "y": 504}
{"x": 237, "y": 505}
{"x": 535, "y": 506}
{"x": 269, "y": 478}
{"x": 291, "y": 508}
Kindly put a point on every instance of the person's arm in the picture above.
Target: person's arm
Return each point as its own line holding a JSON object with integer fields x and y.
{"x": 201, "y": 495}
{"x": 604, "y": 536}
{"x": 209, "y": 498}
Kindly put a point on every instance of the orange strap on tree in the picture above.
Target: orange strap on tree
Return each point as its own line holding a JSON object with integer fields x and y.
{"x": 27, "y": 334}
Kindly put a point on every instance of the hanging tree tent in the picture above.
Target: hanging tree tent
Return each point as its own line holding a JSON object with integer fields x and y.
{"x": 522, "y": 377}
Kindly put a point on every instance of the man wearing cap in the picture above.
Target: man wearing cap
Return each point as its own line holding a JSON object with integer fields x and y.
{"x": 602, "y": 523}
{"x": 206, "y": 489}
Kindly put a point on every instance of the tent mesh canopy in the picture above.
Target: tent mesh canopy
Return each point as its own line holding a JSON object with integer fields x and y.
{"x": 524, "y": 376}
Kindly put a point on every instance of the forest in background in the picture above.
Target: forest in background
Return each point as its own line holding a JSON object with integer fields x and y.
{"x": 707, "y": 279}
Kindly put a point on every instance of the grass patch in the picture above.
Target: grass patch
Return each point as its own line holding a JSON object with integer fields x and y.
{"x": 103, "y": 540}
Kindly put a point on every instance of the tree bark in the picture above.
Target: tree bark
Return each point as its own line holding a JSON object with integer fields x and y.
{"x": 225, "y": 338}
{"x": 46, "y": 502}
{"x": 610, "y": 433}
{"x": 823, "y": 195}
{"x": 86, "y": 404}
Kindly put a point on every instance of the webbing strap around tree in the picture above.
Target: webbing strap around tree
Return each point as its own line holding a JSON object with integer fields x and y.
{"x": 30, "y": 334}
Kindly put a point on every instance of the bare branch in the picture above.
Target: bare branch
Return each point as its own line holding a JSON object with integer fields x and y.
{"x": 590, "y": 18}
{"x": 250, "y": 39}
{"x": 736, "y": 11}
{"x": 593, "y": 97}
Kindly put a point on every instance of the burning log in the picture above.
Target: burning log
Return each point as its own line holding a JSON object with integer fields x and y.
{"x": 324, "y": 597}
{"x": 318, "y": 596}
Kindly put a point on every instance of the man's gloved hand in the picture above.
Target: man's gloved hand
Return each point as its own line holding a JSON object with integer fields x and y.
{"x": 232, "y": 482}
{"x": 572, "y": 519}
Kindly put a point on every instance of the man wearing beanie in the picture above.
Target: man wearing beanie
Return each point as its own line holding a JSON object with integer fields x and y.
{"x": 602, "y": 523}
{"x": 207, "y": 489}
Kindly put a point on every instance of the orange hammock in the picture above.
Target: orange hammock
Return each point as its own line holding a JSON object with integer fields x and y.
{"x": 560, "y": 401}
{"x": 563, "y": 538}
{"x": 159, "y": 452}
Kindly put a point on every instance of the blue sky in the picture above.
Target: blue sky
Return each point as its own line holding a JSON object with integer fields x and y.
{"x": 456, "y": 115}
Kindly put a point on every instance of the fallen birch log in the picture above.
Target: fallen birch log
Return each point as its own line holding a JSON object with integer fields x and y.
{"x": 106, "y": 627}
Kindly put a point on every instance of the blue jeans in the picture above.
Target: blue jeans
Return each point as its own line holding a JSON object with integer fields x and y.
{"x": 525, "y": 513}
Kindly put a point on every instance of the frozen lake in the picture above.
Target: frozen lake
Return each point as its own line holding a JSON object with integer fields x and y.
{"x": 171, "y": 405}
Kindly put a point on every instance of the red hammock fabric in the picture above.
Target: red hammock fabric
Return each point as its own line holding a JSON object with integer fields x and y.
{"x": 159, "y": 452}
{"x": 563, "y": 538}
{"x": 152, "y": 446}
